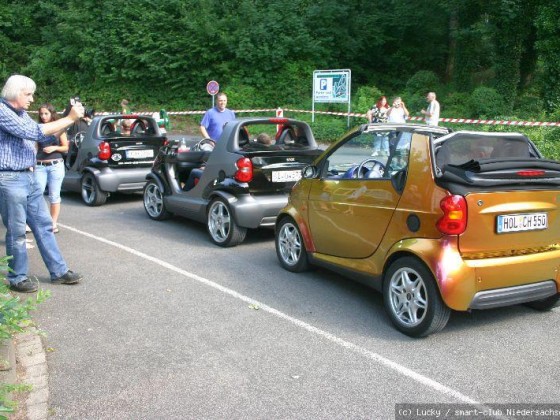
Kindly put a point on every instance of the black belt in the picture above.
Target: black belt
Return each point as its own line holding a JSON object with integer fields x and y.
{"x": 49, "y": 163}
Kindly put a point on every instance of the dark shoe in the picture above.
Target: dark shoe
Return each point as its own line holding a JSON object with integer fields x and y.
{"x": 69, "y": 278}
{"x": 25, "y": 286}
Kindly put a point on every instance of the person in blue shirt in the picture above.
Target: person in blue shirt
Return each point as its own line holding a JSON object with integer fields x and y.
{"x": 21, "y": 197}
{"x": 212, "y": 123}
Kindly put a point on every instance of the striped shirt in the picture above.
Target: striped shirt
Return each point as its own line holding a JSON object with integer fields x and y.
{"x": 18, "y": 134}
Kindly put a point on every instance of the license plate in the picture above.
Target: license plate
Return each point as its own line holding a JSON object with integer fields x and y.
{"x": 286, "y": 176}
{"x": 139, "y": 154}
{"x": 521, "y": 222}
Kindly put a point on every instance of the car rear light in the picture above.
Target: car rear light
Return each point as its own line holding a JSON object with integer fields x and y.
{"x": 531, "y": 173}
{"x": 278, "y": 120}
{"x": 104, "y": 150}
{"x": 454, "y": 219}
{"x": 244, "y": 171}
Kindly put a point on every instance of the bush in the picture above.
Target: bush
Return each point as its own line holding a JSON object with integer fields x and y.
{"x": 365, "y": 97}
{"x": 327, "y": 128}
{"x": 456, "y": 105}
{"x": 486, "y": 103}
{"x": 422, "y": 82}
{"x": 549, "y": 142}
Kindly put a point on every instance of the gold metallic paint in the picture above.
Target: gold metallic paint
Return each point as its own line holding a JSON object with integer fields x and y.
{"x": 362, "y": 224}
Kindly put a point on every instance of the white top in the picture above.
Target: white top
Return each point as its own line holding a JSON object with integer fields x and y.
{"x": 397, "y": 115}
{"x": 433, "y": 110}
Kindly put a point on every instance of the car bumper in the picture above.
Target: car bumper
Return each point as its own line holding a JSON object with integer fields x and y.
{"x": 129, "y": 179}
{"x": 489, "y": 282}
{"x": 508, "y": 296}
{"x": 257, "y": 211}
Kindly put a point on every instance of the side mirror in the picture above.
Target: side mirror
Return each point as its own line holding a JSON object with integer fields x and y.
{"x": 310, "y": 172}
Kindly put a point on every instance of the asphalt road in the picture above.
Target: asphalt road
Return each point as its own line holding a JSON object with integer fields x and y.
{"x": 167, "y": 325}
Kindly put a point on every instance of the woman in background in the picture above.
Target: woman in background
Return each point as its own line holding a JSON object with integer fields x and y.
{"x": 378, "y": 114}
{"x": 50, "y": 163}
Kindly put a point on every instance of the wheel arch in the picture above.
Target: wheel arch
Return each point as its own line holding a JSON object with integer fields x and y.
{"x": 90, "y": 170}
{"x": 162, "y": 185}
{"x": 416, "y": 251}
{"x": 403, "y": 304}
{"x": 298, "y": 219}
{"x": 230, "y": 198}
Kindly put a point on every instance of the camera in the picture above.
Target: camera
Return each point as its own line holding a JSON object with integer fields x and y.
{"x": 88, "y": 112}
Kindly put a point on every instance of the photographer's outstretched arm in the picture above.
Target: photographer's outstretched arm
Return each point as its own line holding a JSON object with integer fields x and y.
{"x": 61, "y": 124}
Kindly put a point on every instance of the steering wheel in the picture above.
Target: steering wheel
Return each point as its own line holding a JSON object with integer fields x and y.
{"x": 377, "y": 168}
{"x": 78, "y": 138}
{"x": 205, "y": 145}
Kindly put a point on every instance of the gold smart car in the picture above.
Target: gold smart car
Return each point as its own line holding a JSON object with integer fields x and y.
{"x": 437, "y": 221}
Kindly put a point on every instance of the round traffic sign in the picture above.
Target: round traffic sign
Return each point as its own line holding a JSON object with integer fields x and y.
{"x": 212, "y": 87}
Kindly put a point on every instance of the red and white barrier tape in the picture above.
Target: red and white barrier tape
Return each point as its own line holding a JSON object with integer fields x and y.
{"x": 359, "y": 115}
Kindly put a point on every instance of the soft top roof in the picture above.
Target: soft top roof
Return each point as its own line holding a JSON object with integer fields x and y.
{"x": 464, "y": 146}
{"x": 478, "y": 136}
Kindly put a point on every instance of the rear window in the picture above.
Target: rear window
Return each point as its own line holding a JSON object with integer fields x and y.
{"x": 128, "y": 126}
{"x": 270, "y": 137}
{"x": 461, "y": 148}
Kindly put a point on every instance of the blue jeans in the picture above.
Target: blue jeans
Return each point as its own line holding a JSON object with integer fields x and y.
{"x": 51, "y": 176}
{"x": 381, "y": 144}
{"x": 21, "y": 201}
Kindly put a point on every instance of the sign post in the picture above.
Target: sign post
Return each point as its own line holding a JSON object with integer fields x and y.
{"x": 212, "y": 88}
{"x": 331, "y": 86}
{"x": 279, "y": 114}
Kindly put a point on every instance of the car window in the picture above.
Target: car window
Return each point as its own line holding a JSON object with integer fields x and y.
{"x": 266, "y": 136}
{"x": 369, "y": 155}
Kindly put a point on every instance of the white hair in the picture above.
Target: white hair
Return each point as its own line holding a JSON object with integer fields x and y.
{"x": 15, "y": 85}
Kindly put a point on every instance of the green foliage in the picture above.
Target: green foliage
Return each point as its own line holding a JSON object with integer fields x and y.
{"x": 162, "y": 54}
{"x": 548, "y": 46}
{"x": 365, "y": 97}
{"x": 456, "y": 105}
{"x": 15, "y": 314}
{"x": 548, "y": 141}
{"x": 14, "y": 317}
{"x": 328, "y": 129}
{"x": 422, "y": 82}
{"x": 486, "y": 103}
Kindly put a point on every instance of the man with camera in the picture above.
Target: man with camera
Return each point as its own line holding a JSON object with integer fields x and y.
{"x": 21, "y": 199}
{"x": 398, "y": 112}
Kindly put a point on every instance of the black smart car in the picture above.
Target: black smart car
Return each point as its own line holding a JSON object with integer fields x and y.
{"x": 237, "y": 183}
{"x": 114, "y": 154}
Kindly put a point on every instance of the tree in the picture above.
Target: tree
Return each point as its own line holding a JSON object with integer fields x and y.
{"x": 548, "y": 47}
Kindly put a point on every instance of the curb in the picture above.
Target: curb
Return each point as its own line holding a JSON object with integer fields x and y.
{"x": 8, "y": 364}
{"x": 27, "y": 353}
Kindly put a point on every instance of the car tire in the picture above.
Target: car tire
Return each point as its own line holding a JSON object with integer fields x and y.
{"x": 153, "y": 202}
{"x": 221, "y": 226}
{"x": 412, "y": 299}
{"x": 290, "y": 248}
{"x": 545, "y": 304}
{"x": 91, "y": 193}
